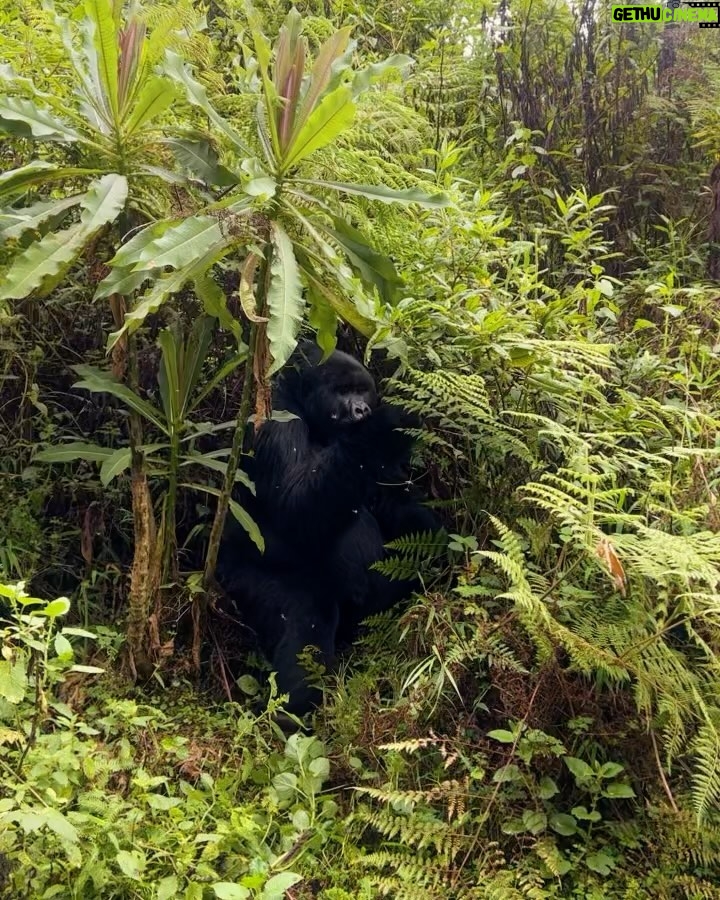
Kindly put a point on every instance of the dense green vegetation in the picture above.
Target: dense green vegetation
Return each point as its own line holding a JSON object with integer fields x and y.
{"x": 508, "y": 207}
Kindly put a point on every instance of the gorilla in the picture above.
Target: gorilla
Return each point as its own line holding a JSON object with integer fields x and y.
{"x": 331, "y": 489}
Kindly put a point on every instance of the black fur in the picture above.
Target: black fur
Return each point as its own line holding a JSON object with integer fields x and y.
{"x": 331, "y": 490}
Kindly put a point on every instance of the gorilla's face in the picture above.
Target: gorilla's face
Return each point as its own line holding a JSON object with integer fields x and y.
{"x": 339, "y": 393}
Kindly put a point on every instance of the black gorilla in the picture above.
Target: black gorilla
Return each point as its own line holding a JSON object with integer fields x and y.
{"x": 331, "y": 489}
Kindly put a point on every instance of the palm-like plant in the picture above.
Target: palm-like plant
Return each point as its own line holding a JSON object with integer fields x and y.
{"x": 105, "y": 141}
{"x": 309, "y": 241}
{"x": 299, "y": 241}
{"x": 106, "y": 138}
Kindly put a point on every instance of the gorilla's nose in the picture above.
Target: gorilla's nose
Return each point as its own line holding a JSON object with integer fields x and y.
{"x": 360, "y": 410}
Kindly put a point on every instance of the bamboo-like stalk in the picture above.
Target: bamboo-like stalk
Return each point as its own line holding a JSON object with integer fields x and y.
{"x": 144, "y": 578}
{"x": 233, "y": 462}
{"x": 169, "y": 552}
{"x": 201, "y": 601}
{"x": 202, "y": 598}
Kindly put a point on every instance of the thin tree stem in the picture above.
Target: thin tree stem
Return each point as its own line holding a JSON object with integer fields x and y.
{"x": 199, "y": 610}
{"x": 170, "y": 553}
{"x": 233, "y": 462}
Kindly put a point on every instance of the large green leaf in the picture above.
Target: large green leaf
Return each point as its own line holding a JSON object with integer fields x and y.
{"x": 120, "y": 460}
{"x": 382, "y": 193}
{"x": 167, "y": 175}
{"x": 17, "y": 181}
{"x": 115, "y": 465}
{"x": 20, "y": 83}
{"x": 278, "y": 885}
{"x": 343, "y": 307}
{"x": 163, "y": 288}
{"x": 333, "y": 115}
{"x": 56, "y": 103}
{"x": 104, "y": 202}
{"x": 197, "y": 96}
{"x": 242, "y": 516}
{"x": 326, "y": 64}
{"x": 112, "y": 462}
{"x": 85, "y": 66}
{"x": 365, "y": 77}
{"x": 122, "y": 281}
{"x": 15, "y": 221}
{"x": 155, "y": 96}
{"x": 150, "y": 303}
{"x": 14, "y": 677}
{"x": 43, "y": 265}
{"x": 248, "y": 523}
{"x": 214, "y": 301}
{"x": 106, "y": 43}
{"x": 323, "y": 319}
{"x": 178, "y": 246}
{"x": 209, "y": 461}
{"x": 200, "y": 158}
{"x": 21, "y": 117}
{"x": 131, "y": 252}
{"x": 332, "y": 262}
{"x": 261, "y": 186}
{"x": 68, "y": 453}
{"x": 374, "y": 268}
{"x": 285, "y": 299}
{"x": 99, "y": 381}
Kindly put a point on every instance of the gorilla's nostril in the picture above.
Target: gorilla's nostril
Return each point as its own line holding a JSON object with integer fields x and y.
{"x": 360, "y": 410}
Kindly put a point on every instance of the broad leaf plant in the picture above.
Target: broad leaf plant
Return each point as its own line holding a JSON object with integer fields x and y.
{"x": 94, "y": 176}
{"x": 97, "y": 146}
{"x": 300, "y": 256}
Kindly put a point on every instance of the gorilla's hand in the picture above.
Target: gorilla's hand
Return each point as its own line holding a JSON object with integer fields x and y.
{"x": 381, "y": 445}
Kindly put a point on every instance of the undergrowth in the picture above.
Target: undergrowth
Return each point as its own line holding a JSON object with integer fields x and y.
{"x": 542, "y": 719}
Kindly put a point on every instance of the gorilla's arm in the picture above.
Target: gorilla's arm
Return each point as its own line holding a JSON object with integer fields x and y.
{"x": 311, "y": 491}
{"x": 304, "y": 487}
{"x": 396, "y": 504}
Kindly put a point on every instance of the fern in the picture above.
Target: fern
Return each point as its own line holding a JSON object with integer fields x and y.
{"x": 621, "y": 641}
{"x": 411, "y": 554}
{"x": 706, "y": 782}
{"x": 418, "y": 846}
{"x": 464, "y": 424}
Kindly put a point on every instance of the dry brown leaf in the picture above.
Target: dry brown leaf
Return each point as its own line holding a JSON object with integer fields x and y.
{"x": 605, "y": 551}
{"x": 245, "y": 291}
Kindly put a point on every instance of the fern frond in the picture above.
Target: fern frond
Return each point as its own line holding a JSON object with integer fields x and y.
{"x": 706, "y": 774}
{"x": 410, "y": 554}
